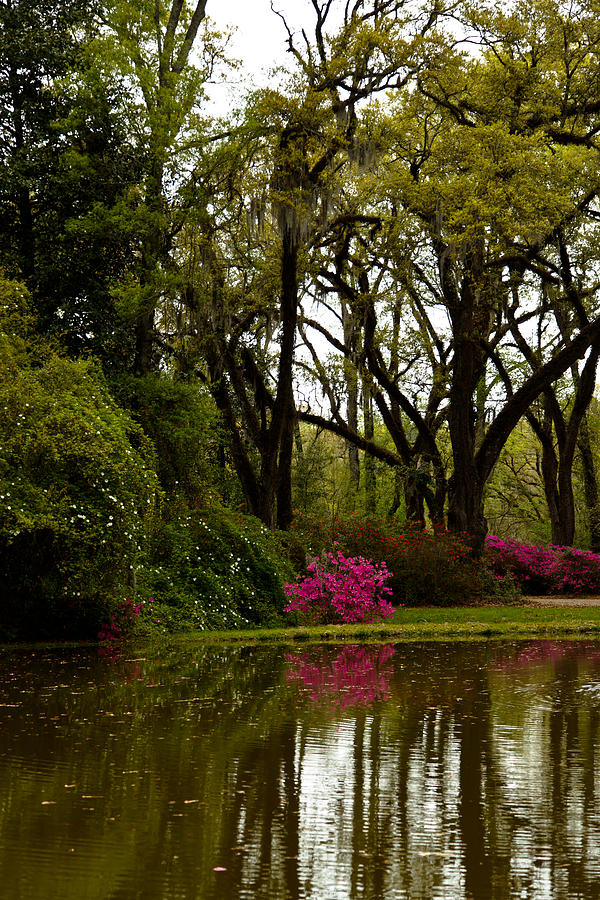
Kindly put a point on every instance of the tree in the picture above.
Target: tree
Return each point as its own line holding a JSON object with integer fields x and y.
{"x": 483, "y": 211}
{"x": 309, "y": 134}
{"x": 151, "y": 45}
{"x": 38, "y": 44}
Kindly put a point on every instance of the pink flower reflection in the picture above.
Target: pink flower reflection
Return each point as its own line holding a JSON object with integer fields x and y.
{"x": 356, "y": 676}
{"x": 546, "y": 651}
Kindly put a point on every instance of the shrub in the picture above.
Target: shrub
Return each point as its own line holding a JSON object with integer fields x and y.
{"x": 77, "y": 494}
{"x": 341, "y": 589}
{"x": 214, "y": 569}
{"x": 544, "y": 570}
{"x": 184, "y": 426}
{"x": 426, "y": 569}
{"x": 122, "y": 621}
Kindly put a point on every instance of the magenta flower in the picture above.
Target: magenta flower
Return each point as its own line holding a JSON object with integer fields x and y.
{"x": 341, "y": 589}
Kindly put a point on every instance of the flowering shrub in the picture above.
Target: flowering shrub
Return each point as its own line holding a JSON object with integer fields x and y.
{"x": 341, "y": 589}
{"x": 78, "y": 493}
{"x": 426, "y": 569}
{"x": 122, "y": 621}
{"x": 544, "y": 570}
{"x": 213, "y": 569}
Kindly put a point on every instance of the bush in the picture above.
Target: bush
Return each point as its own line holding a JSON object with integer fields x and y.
{"x": 184, "y": 426}
{"x": 544, "y": 569}
{"x": 77, "y": 490}
{"x": 341, "y": 589}
{"x": 426, "y": 569}
{"x": 214, "y": 569}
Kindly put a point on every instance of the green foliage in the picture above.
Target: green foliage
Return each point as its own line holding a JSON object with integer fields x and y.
{"x": 77, "y": 494}
{"x": 427, "y": 569}
{"x": 181, "y": 420}
{"x": 214, "y": 569}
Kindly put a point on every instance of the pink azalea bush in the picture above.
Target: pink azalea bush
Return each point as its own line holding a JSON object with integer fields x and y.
{"x": 341, "y": 589}
{"x": 544, "y": 570}
{"x": 122, "y": 621}
{"x": 427, "y": 569}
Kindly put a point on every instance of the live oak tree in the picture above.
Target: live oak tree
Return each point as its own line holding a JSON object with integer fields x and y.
{"x": 493, "y": 163}
{"x": 518, "y": 162}
{"x": 310, "y": 132}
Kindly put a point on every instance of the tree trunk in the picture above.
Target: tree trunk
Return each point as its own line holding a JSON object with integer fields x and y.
{"x": 279, "y": 449}
{"x": 351, "y": 379}
{"x": 285, "y": 512}
{"x": 550, "y": 478}
{"x": 241, "y": 461}
{"x": 565, "y": 533}
{"x": 590, "y": 484}
{"x": 413, "y": 499}
{"x": 369, "y": 462}
{"x": 465, "y": 488}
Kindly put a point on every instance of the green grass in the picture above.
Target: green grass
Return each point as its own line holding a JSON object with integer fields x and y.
{"x": 428, "y": 623}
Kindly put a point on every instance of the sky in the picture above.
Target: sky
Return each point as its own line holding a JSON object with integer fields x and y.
{"x": 258, "y": 40}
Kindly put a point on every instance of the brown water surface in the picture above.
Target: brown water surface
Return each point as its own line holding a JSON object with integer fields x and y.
{"x": 383, "y": 771}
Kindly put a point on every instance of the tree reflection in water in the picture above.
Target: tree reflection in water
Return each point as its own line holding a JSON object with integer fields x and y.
{"x": 357, "y": 676}
{"x": 414, "y": 771}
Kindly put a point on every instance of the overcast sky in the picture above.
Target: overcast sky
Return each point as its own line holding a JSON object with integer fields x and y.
{"x": 258, "y": 40}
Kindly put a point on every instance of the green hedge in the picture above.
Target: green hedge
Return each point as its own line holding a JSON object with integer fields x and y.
{"x": 77, "y": 488}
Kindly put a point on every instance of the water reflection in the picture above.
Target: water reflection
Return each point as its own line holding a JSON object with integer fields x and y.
{"x": 406, "y": 771}
{"x": 354, "y": 676}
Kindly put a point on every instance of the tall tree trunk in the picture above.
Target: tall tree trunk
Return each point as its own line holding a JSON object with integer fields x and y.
{"x": 285, "y": 512}
{"x": 369, "y": 462}
{"x": 590, "y": 483}
{"x": 465, "y": 488}
{"x": 351, "y": 379}
{"x": 276, "y": 471}
{"x": 550, "y": 468}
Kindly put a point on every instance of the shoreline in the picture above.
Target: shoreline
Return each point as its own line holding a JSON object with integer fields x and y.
{"x": 537, "y": 618}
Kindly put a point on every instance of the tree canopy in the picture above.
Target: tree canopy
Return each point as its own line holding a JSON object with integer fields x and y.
{"x": 392, "y": 249}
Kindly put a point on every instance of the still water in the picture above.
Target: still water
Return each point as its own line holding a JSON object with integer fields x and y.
{"x": 380, "y": 771}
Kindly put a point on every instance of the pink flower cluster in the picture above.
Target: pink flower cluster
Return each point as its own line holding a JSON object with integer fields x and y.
{"x": 122, "y": 620}
{"x": 544, "y": 570}
{"x": 356, "y": 676}
{"x": 341, "y": 589}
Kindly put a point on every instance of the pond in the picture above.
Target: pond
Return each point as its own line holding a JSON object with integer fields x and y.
{"x": 460, "y": 770}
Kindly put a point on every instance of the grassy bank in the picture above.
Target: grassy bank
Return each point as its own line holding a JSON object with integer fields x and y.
{"x": 429, "y": 623}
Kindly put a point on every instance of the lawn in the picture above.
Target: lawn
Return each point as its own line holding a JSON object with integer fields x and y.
{"x": 428, "y": 623}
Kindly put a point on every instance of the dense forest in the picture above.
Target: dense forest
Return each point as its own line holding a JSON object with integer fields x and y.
{"x": 369, "y": 291}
